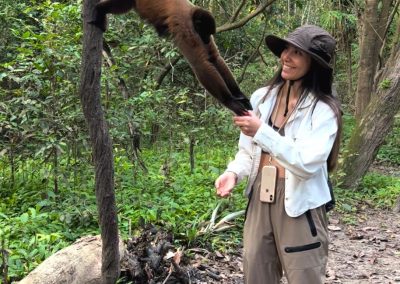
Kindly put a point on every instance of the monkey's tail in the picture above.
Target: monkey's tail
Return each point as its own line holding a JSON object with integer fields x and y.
{"x": 116, "y": 6}
{"x": 204, "y": 24}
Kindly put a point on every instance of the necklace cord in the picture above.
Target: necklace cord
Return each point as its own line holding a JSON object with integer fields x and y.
{"x": 287, "y": 99}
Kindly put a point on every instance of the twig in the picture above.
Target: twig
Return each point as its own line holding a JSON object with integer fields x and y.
{"x": 181, "y": 274}
{"x": 168, "y": 67}
{"x": 213, "y": 275}
{"x": 237, "y": 12}
{"x": 134, "y": 132}
{"x": 256, "y": 50}
{"x": 169, "y": 274}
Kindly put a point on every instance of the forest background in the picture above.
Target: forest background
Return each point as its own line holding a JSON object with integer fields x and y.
{"x": 152, "y": 102}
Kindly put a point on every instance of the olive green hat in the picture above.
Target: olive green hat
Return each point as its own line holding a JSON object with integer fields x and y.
{"x": 313, "y": 40}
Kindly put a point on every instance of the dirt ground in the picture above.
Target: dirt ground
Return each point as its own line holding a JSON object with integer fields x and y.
{"x": 362, "y": 250}
{"x": 367, "y": 251}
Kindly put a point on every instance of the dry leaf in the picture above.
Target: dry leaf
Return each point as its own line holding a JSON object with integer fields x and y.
{"x": 178, "y": 256}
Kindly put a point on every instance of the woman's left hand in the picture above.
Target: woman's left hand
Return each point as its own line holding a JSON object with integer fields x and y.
{"x": 248, "y": 124}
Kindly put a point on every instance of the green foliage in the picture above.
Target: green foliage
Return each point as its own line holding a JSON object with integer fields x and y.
{"x": 348, "y": 126}
{"x": 385, "y": 84}
{"x": 329, "y": 18}
{"x": 174, "y": 199}
{"x": 30, "y": 238}
{"x": 390, "y": 151}
{"x": 383, "y": 190}
{"x": 376, "y": 190}
{"x": 47, "y": 195}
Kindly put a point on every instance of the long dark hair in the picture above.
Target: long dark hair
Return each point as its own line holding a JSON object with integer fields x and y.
{"x": 318, "y": 81}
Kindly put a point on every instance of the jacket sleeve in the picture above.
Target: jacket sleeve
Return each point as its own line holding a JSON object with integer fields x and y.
{"x": 308, "y": 152}
{"x": 242, "y": 163}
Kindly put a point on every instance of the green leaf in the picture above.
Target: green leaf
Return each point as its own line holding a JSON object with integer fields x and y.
{"x": 347, "y": 207}
{"x": 24, "y": 218}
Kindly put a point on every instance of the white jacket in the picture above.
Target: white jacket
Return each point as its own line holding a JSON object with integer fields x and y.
{"x": 303, "y": 151}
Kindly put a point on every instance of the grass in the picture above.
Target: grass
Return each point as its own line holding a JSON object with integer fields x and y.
{"x": 35, "y": 222}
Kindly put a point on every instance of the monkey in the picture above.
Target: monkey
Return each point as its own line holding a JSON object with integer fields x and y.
{"x": 191, "y": 29}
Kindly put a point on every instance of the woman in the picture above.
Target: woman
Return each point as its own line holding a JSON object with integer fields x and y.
{"x": 287, "y": 147}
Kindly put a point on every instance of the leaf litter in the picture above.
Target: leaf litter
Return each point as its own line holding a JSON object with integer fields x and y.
{"x": 365, "y": 251}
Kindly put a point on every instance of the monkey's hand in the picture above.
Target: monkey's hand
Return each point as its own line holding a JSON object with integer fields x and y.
{"x": 240, "y": 106}
{"x": 244, "y": 101}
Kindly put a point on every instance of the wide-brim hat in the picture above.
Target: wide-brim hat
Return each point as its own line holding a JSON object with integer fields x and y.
{"x": 313, "y": 40}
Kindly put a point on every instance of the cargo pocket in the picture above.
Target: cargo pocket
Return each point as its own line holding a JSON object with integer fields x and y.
{"x": 303, "y": 248}
{"x": 304, "y": 256}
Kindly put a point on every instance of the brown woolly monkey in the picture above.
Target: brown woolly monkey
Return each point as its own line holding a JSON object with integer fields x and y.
{"x": 191, "y": 28}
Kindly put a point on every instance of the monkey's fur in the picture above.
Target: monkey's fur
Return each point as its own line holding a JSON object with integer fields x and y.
{"x": 191, "y": 29}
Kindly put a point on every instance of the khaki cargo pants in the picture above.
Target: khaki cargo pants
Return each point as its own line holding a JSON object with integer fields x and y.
{"x": 275, "y": 242}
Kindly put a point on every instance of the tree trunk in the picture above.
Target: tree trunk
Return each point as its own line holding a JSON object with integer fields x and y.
{"x": 374, "y": 125}
{"x": 191, "y": 153}
{"x": 372, "y": 38}
{"x": 101, "y": 144}
{"x": 55, "y": 165}
{"x": 349, "y": 68}
{"x": 4, "y": 264}
{"x": 368, "y": 56}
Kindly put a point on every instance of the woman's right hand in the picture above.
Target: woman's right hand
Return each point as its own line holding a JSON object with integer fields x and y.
{"x": 225, "y": 183}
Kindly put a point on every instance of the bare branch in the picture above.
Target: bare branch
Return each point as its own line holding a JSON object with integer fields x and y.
{"x": 389, "y": 22}
{"x": 168, "y": 67}
{"x": 242, "y": 22}
{"x": 253, "y": 55}
{"x": 237, "y": 12}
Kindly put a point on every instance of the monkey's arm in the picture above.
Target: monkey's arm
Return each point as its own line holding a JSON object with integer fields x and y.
{"x": 199, "y": 49}
{"x": 196, "y": 53}
{"x": 227, "y": 76}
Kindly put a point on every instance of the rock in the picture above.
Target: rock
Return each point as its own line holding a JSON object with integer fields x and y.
{"x": 80, "y": 263}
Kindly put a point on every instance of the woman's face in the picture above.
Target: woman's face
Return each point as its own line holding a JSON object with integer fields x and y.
{"x": 295, "y": 63}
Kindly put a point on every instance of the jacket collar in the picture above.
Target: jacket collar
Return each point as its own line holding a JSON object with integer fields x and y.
{"x": 266, "y": 104}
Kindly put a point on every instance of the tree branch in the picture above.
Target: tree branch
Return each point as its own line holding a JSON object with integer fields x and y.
{"x": 237, "y": 12}
{"x": 384, "y": 35}
{"x": 168, "y": 67}
{"x": 256, "y": 51}
{"x": 243, "y": 21}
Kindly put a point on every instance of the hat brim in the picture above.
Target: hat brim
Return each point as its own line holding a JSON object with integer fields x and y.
{"x": 277, "y": 45}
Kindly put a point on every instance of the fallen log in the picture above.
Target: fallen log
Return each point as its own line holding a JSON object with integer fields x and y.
{"x": 79, "y": 263}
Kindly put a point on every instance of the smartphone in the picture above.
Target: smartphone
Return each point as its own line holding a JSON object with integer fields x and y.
{"x": 268, "y": 184}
